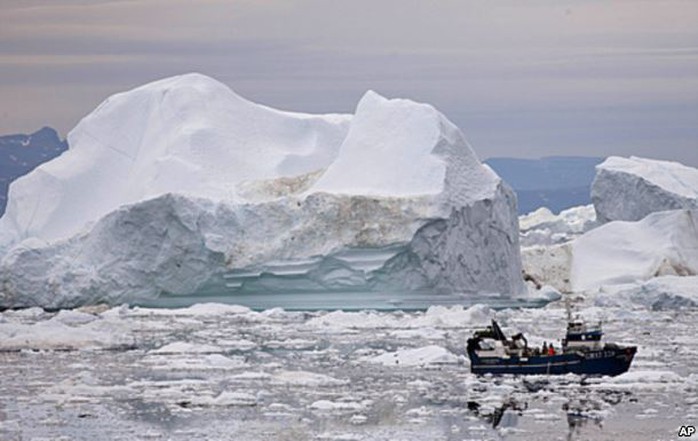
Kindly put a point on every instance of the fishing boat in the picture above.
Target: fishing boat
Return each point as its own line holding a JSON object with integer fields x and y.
{"x": 582, "y": 352}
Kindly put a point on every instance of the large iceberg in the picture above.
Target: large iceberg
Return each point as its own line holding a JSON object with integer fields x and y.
{"x": 181, "y": 186}
{"x": 663, "y": 243}
{"x": 629, "y": 189}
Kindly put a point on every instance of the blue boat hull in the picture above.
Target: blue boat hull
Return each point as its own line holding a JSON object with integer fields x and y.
{"x": 607, "y": 361}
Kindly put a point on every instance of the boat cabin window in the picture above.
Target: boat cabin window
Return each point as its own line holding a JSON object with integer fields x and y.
{"x": 487, "y": 345}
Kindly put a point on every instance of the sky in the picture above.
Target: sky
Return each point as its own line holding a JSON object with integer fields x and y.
{"x": 520, "y": 78}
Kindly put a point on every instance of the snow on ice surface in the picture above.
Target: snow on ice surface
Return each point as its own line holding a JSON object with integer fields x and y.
{"x": 192, "y": 135}
{"x": 376, "y": 138}
{"x": 435, "y": 316}
{"x": 666, "y": 292}
{"x": 188, "y": 134}
{"x": 669, "y": 175}
{"x": 663, "y": 243}
{"x": 181, "y": 186}
{"x": 64, "y": 334}
{"x": 416, "y": 357}
{"x": 338, "y": 387}
{"x": 305, "y": 379}
{"x": 651, "y": 378}
{"x": 631, "y": 188}
{"x": 402, "y": 148}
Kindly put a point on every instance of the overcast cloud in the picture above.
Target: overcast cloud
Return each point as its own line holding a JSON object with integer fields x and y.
{"x": 529, "y": 79}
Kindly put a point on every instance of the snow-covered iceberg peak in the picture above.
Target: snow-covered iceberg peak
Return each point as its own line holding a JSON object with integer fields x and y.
{"x": 401, "y": 148}
{"x": 631, "y": 188}
{"x": 188, "y": 134}
{"x": 181, "y": 186}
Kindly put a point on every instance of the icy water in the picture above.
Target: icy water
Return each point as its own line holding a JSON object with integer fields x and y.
{"x": 219, "y": 372}
{"x": 346, "y": 301}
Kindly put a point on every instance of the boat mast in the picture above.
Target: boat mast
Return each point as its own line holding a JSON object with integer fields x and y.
{"x": 568, "y": 308}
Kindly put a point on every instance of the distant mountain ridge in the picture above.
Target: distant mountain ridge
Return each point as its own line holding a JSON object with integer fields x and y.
{"x": 19, "y": 154}
{"x": 555, "y": 182}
